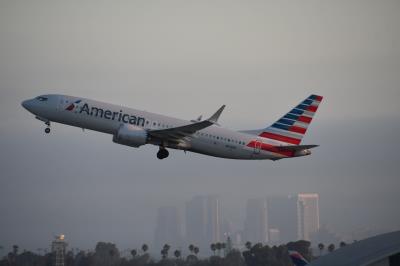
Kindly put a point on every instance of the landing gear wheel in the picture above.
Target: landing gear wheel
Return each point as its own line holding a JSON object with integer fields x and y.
{"x": 162, "y": 153}
{"x": 47, "y": 129}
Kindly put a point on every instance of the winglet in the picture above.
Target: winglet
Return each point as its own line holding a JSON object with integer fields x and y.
{"x": 214, "y": 117}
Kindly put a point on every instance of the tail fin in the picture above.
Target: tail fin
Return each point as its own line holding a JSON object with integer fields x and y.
{"x": 297, "y": 258}
{"x": 291, "y": 127}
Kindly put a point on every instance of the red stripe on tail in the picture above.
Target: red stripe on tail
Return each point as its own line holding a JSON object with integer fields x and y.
{"x": 297, "y": 129}
{"x": 304, "y": 119}
{"x": 270, "y": 135}
{"x": 312, "y": 108}
{"x": 318, "y": 98}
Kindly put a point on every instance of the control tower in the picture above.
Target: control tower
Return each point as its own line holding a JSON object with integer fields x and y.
{"x": 58, "y": 248}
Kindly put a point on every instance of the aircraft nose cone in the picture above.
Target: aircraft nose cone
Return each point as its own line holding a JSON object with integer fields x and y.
{"x": 26, "y": 104}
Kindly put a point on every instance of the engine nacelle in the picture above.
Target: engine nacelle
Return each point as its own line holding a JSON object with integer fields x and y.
{"x": 131, "y": 135}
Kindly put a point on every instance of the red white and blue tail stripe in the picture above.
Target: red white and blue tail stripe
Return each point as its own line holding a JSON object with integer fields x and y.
{"x": 291, "y": 128}
{"x": 297, "y": 258}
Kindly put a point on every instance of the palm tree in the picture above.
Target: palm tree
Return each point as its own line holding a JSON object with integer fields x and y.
{"x": 164, "y": 254}
{"x": 191, "y": 248}
{"x": 164, "y": 251}
{"x": 213, "y": 247}
{"x": 15, "y": 249}
{"x": 331, "y": 247}
{"x": 145, "y": 247}
{"x": 321, "y": 247}
{"x": 133, "y": 253}
{"x": 196, "y": 250}
{"x": 166, "y": 247}
{"x": 342, "y": 244}
{"x": 219, "y": 246}
{"x": 223, "y": 245}
{"x": 248, "y": 245}
{"x": 177, "y": 254}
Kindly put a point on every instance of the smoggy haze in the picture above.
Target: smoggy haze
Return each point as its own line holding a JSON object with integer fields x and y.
{"x": 185, "y": 58}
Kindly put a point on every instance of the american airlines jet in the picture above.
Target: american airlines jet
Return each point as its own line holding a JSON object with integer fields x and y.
{"x": 136, "y": 128}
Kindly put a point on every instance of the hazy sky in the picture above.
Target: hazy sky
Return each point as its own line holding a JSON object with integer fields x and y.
{"x": 186, "y": 58}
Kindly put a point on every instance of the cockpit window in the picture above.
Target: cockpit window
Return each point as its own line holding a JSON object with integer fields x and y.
{"x": 42, "y": 99}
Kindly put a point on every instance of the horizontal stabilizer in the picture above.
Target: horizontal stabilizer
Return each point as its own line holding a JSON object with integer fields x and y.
{"x": 296, "y": 147}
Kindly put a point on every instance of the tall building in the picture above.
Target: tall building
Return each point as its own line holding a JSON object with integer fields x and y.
{"x": 274, "y": 236}
{"x": 282, "y": 215}
{"x": 168, "y": 229}
{"x": 256, "y": 226}
{"x": 203, "y": 221}
{"x": 196, "y": 221}
{"x": 58, "y": 247}
{"x": 213, "y": 219}
{"x": 307, "y": 215}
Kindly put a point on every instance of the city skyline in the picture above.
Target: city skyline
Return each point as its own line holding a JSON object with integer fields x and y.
{"x": 268, "y": 220}
{"x": 169, "y": 226}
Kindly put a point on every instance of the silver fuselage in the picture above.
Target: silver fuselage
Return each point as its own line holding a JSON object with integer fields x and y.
{"x": 108, "y": 118}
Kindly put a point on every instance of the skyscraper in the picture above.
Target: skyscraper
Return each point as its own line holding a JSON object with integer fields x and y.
{"x": 213, "y": 219}
{"x": 255, "y": 226}
{"x": 168, "y": 230}
{"x": 203, "y": 221}
{"x": 274, "y": 236}
{"x": 307, "y": 215}
{"x": 196, "y": 221}
{"x": 282, "y": 215}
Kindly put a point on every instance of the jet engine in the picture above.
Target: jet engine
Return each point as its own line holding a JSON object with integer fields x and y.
{"x": 131, "y": 135}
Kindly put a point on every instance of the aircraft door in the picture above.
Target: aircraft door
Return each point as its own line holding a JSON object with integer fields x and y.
{"x": 60, "y": 102}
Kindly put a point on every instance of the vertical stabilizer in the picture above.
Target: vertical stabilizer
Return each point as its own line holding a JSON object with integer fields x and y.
{"x": 297, "y": 258}
{"x": 291, "y": 128}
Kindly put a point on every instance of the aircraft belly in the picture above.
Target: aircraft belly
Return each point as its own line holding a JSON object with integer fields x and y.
{"x": 221, "y": 150}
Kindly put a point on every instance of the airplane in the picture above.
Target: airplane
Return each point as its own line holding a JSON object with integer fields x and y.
{"x": 135, "y": 128}
{"x": 297, "y": 258}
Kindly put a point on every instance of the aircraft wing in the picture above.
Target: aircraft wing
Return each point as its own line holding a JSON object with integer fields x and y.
{"x": 296, "y": 147}
{"x": 177, "y": 133}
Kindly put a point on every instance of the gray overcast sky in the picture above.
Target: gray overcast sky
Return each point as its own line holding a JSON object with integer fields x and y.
{"x": 185, "y": 58}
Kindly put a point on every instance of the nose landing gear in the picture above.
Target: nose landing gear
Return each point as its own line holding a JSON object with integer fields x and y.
{"x": 47, "y": 129}
{"x": 162, "y": 153}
